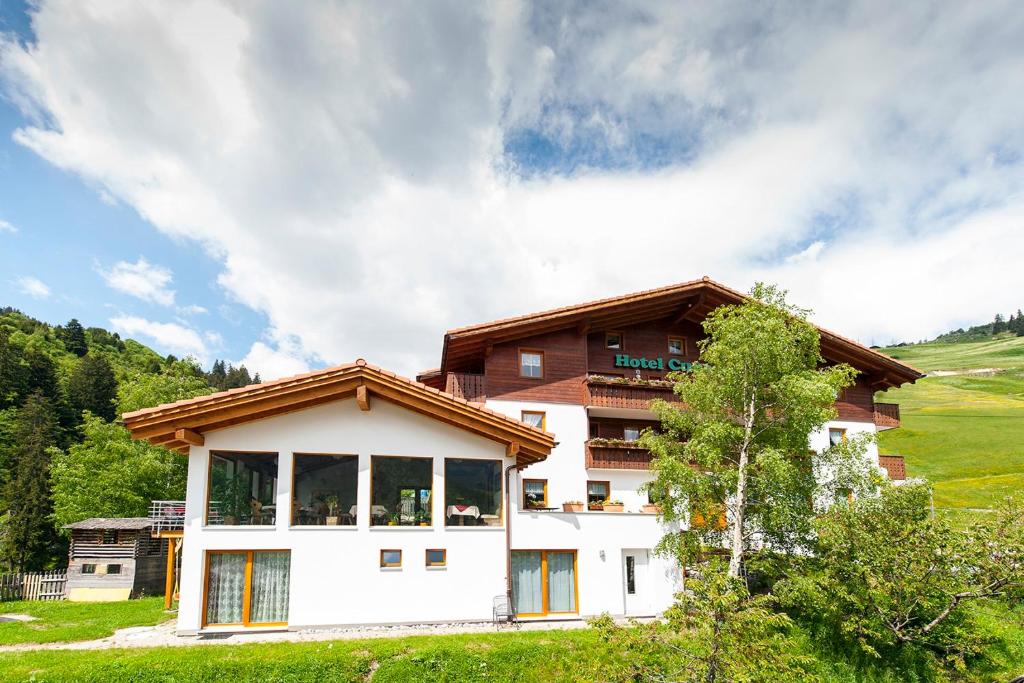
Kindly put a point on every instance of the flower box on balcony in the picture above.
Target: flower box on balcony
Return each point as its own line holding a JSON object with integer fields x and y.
{"x": 651, "y": 508}
{"x": 614, "y": 506}
{"x": 572, "y": 506}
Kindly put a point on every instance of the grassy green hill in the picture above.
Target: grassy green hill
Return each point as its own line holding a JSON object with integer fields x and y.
{"x": 964, "y": 432}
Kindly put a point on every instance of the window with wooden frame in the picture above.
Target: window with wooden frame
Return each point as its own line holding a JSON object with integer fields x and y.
{"x": 89, "y": 568}
{"x": 836, "y": 436}
{"x": 324, "y": 489}
{"x": 390, "y": 558}
{"x": 631, "y": 433}
{"x": 598, "y": 493}
{"x": 472, "y": 492}
{"x": 536, "y": 418}
{"x": 544, "y": 582}
{"x": 531, "y": 363}
{"x": 613, "y": 340}
{"x": 535, "y": 493}
{"x": 437, "y": 557}
{"x": 113, "y": 569}
{"x": 677, "y": 346}
{"x": 246, "y": 588}
{"x": 241, "y": 489}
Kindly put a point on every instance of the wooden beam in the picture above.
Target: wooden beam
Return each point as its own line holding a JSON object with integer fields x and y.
{"x": 512, "y": 449}
{"x": 583, "y": 327}
{"x": 362, "y": 397}
{"x": 190, "y": 437}
{"x": 169, "y": 577}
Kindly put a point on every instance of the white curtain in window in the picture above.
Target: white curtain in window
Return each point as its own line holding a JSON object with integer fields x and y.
{"x": 561, "y": 583}
{"x": 226, "y": 588}
{"x": 527, "y": 595}
{"x": 270, "y": 573}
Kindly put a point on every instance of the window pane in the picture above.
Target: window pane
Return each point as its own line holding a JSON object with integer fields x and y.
{"x": 390, "y": 558}
{"x": 675, "y": 346}
{"x": 530, "y": 364}
{"x": 243, "y": 489}
{"x": 534, "y": 493}
{"x": 401, "y": 491}
{"x": 527, "y": 590}
{"x": 472, "y": 492}
{"x": 630, "y": 575}
{"x": 835, "y": 436}
{"x": 113, "y": 569}
{"x": 597, "y": 492}
{"x": 88, "y": 569}
{"x": 613, "y": 341}
{"x": 561, "y": 582}
{"x": 533, "y": 418}
{"x": 270, "y": 574}
{"x": 225, "y": 588}
{"x": 325, "y": 489}
{"x": 435, "y": 558}
{"x": 631, "y": 433}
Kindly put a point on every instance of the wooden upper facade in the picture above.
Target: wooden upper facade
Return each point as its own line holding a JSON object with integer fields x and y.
{"x": 579, "y": 345}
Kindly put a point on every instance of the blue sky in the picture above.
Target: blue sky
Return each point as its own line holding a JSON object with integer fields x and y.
{"x": 335, "y": 181}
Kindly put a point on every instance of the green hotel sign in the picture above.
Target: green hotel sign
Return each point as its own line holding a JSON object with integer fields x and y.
{"x": 624, "y": 360}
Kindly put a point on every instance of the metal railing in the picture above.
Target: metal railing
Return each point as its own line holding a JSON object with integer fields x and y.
{"x": 167, "y": 515}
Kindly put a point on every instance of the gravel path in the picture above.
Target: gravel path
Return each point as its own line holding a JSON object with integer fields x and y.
{"x": 163, "y": 635}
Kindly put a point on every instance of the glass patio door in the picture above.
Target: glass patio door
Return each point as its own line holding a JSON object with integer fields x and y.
{"x": 247, "y": 588}
{"x": 543, "y": 582}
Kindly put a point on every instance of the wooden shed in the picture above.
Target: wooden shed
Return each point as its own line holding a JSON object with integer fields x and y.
{"x": 114, "y": 559}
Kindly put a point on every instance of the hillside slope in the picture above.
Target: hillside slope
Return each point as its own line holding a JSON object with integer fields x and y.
{"x": 965, "y": 431}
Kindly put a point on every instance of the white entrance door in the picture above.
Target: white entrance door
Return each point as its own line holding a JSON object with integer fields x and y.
{"x": 634, "y": 581}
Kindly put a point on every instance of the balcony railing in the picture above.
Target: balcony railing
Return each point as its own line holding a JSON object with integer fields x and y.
{"x": 887, "y": 415}
{"x": 602, "y": 392}
{"x": 466, "y": 385}
{"x": 167, "y": 515}
{"x": 894, "y": 465}
{"x": 618, "y": 456}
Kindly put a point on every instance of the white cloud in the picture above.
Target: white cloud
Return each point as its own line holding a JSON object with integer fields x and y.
{"x": 192, "y": 309}
{"x": 170, "y": 337}
{"x": 141, "y": 279}
{"x": 345, "y": 165}
{"x": 7, "y": 227}
{"x": 272, "y": 363}
{"x": 33, "y": 286}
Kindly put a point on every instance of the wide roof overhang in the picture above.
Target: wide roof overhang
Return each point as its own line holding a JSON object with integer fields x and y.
{"x": 466, "y": 347}
{"x": 180, "y": 425}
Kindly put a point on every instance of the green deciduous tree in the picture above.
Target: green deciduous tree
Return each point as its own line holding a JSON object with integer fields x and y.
{"x": 180, "y": 380}
{"x": 110, "y": 475}
{"x": 93, "y": 387}
{"x": 29, "y": 541}
{"x": 887, "y": 575}
{"x": 736, "y": 448}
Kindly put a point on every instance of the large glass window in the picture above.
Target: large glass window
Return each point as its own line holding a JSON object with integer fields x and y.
{"x": 472, "y": 492}
{"x": 401, "y": 491}
{"x": 543, "y": 581}
{"x": 246, "y": 587}
{"x": 243, "y": 489}
{"x": 324, "y": 489}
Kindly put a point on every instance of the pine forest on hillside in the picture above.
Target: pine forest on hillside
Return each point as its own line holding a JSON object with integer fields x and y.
{"x": 63, "y": 456}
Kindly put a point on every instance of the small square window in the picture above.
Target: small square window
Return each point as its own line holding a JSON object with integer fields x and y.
{"x": 836, "y": 436}
{"x": 676, "y": 346}
{"x": 535, "y": 418}
{"x": 613, "y": 340}
{"x": 391, "y": 558}
{"x": 109, "y": 537}
{"x": 535, "y": 493}
{"x": 88, "y": 569}
{"x": 597, "y": 492}
{"x": 113, "y": 569}
{"x": 630, "y": 434}
{"x": 531, "y": 364}
{"x": 437, "y": 557}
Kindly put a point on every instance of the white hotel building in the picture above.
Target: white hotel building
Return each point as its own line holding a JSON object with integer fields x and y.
{"x": 353, "y": 496}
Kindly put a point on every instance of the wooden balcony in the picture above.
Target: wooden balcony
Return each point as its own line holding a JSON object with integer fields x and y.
{"x": 601, "y": 456}
{"x": 604, "y": 393}
{"x": 466, "y": 385}
{"x": 887, "y": 416}
{"x": 894, "y": 465}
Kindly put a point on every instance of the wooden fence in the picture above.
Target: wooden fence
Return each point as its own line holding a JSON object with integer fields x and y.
{"x": 34, "y": 586}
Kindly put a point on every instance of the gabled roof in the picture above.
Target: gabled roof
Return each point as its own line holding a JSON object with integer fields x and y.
{"x": 109, "y": 523}
{"x": 177, "y": 425}
{"x": 466, "y": 346}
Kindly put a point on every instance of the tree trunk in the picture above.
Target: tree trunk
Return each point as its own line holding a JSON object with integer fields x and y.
{"x": 736, "y": 560}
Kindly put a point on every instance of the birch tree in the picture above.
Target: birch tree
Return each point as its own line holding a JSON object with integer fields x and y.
{"x": 732, "y": 458}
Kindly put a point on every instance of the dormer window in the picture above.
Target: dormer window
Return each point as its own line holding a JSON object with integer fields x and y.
{"x": 613, "y": 340}
{"x": 531, "y": 364}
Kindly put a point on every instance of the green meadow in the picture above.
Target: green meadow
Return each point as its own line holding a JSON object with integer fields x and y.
{"x": 964, "y": 432}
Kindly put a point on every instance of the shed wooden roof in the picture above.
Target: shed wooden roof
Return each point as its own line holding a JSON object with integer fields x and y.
{"x": 120, "y": 523}
{"x": 465, "y": 347}
{"x": 181, "y": 424}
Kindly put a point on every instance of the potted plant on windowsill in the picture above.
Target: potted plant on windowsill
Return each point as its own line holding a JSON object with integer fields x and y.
{"x": 651, "y": 508}
{"x": 332, "y": 510}
{"x": 572, "y": 506}
{"x": 614, "y": 506}
{"x": 393, "y": 519}
{"x": 595, "y": 506}
{"x": 423, "y": 518}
